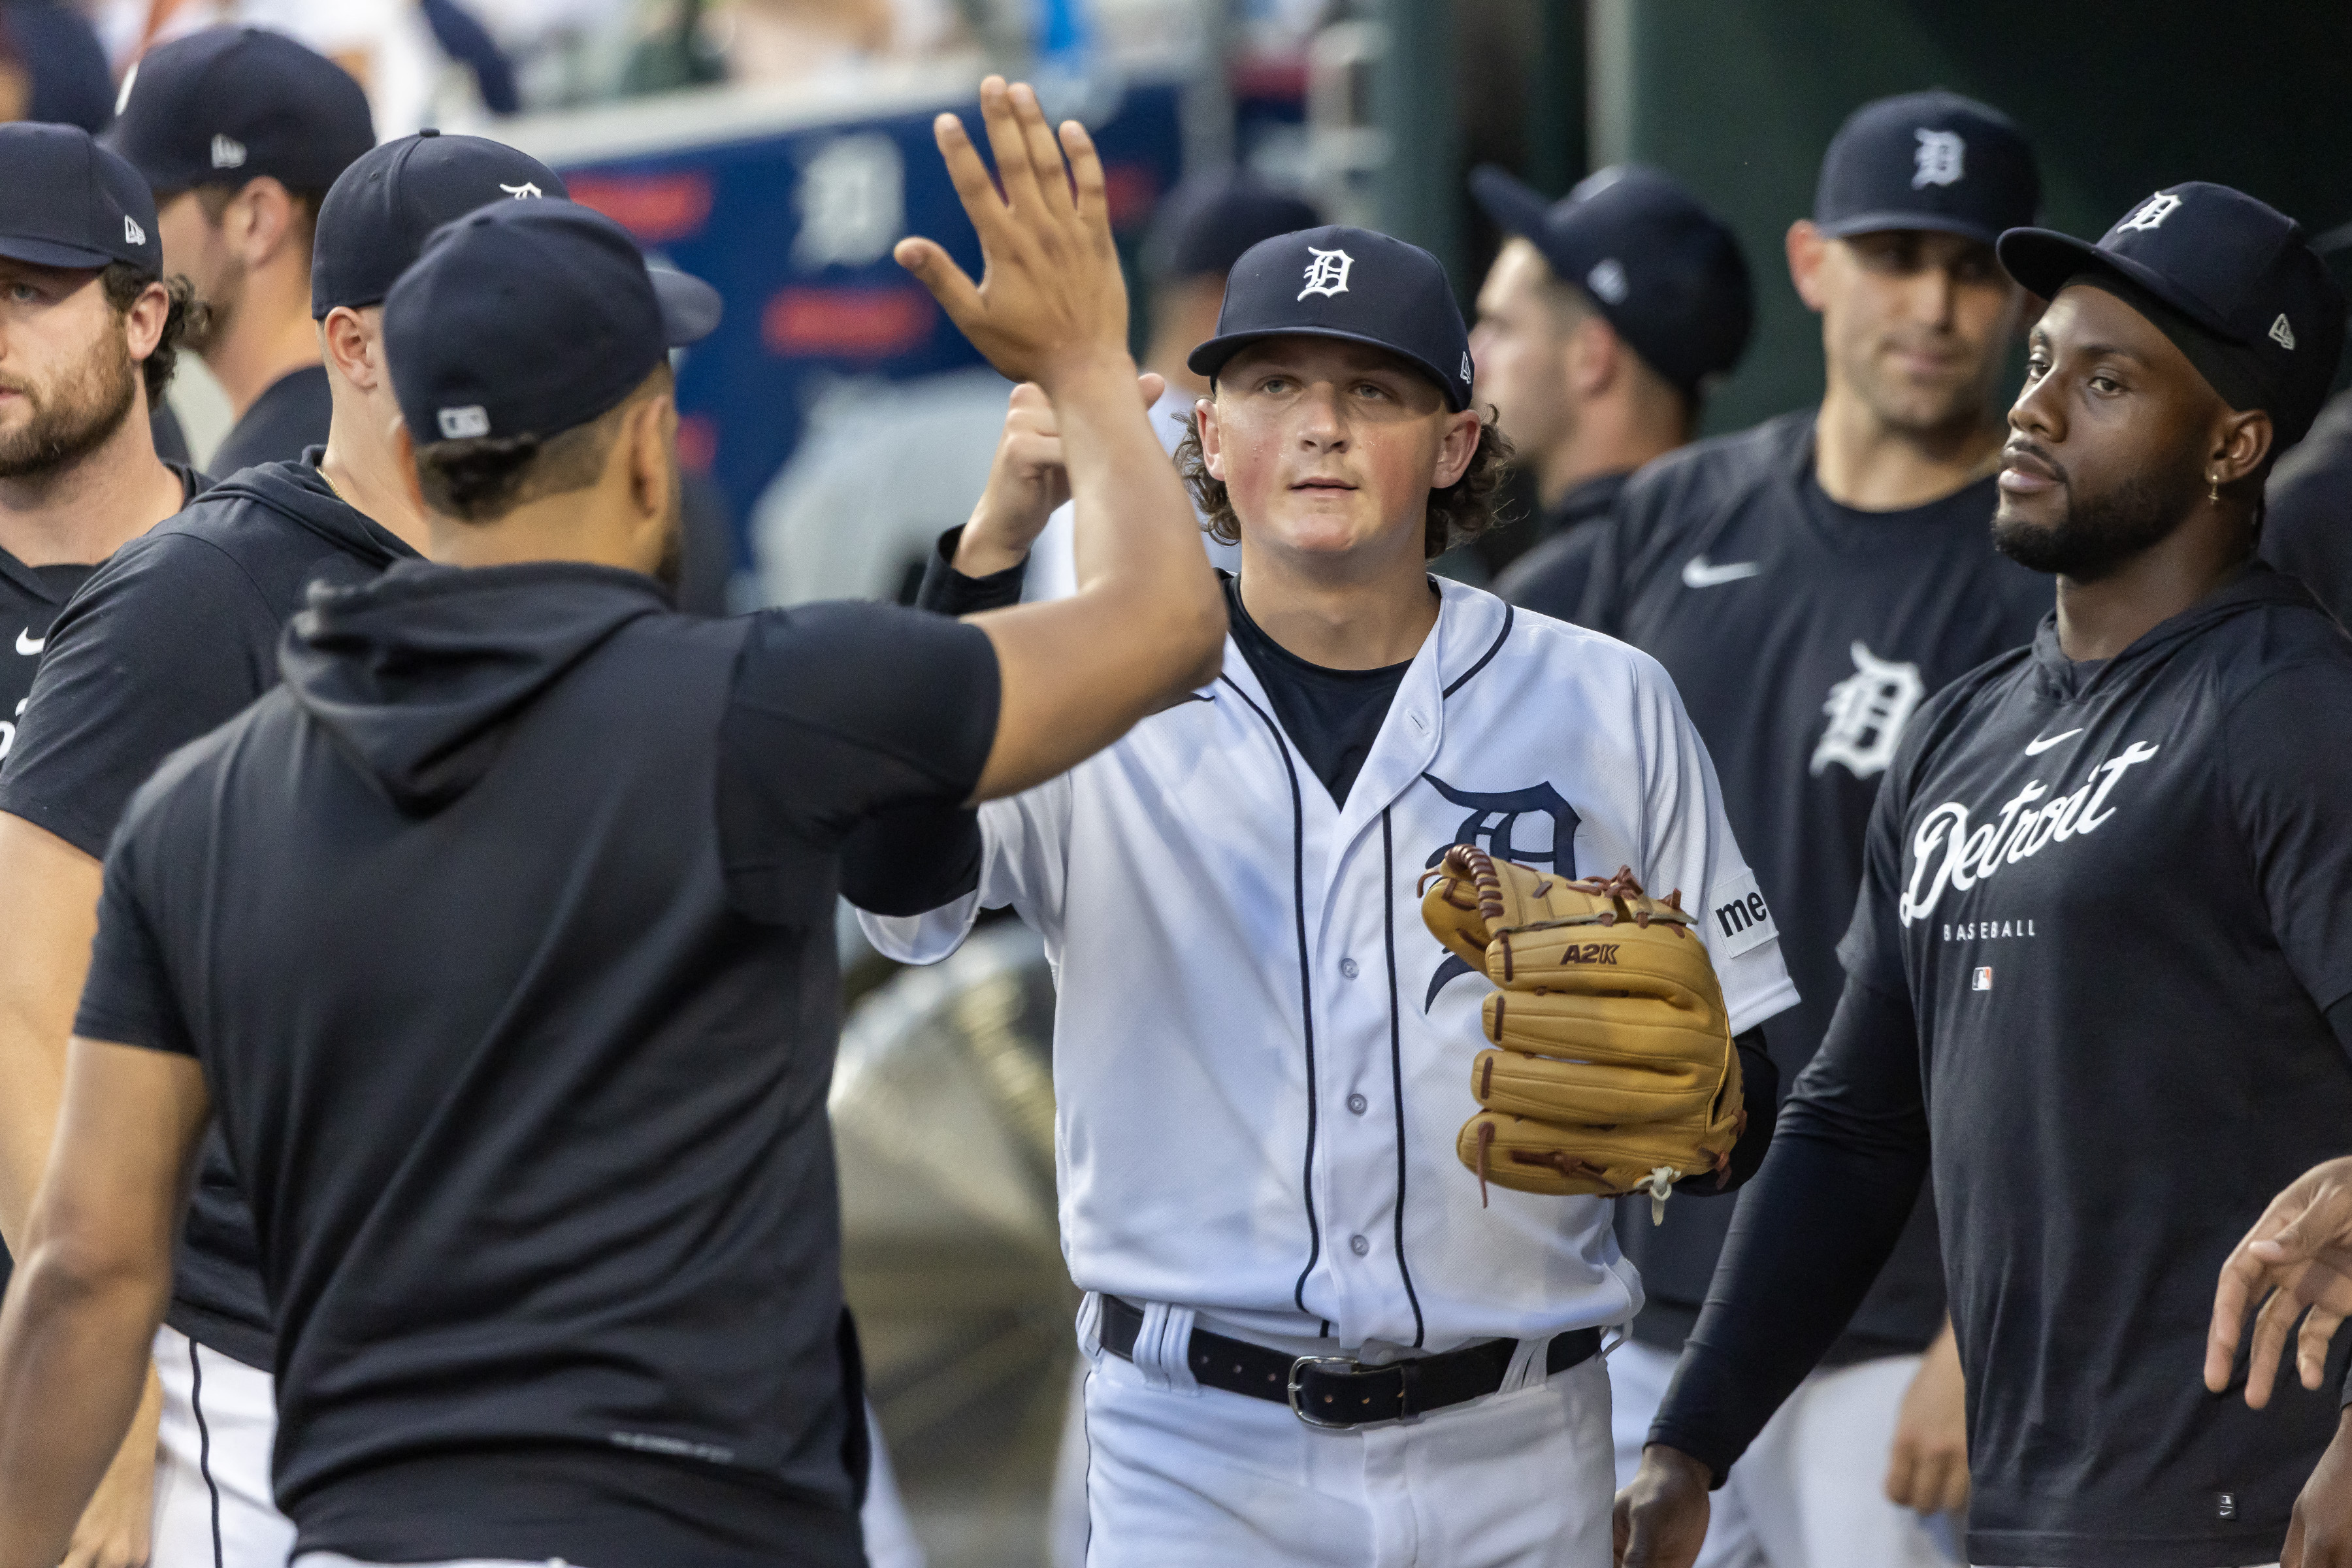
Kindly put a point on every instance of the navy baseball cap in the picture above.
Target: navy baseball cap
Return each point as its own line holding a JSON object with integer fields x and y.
{"x": 1928, "y": 160}
{"x": 1664, "y": 272}
{"x": 1209, "y": 221}
{"x": 65, "y": 201}
{"x": 530, "y": 317}
{"x": 2233, "y": 282}
{"x": 377, "y": 217}
{"x": 1349, "y": 284}
{"x": 231, "y": 104}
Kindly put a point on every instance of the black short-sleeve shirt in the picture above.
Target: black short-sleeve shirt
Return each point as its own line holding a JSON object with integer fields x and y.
{"x": 503, "y": 932}
{"x": 2119, "y": 897}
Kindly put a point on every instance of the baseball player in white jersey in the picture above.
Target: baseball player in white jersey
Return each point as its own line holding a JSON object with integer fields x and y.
{"x": 1313, "y": 1339}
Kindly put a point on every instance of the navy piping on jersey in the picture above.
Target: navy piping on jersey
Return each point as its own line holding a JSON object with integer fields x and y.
{"x": 204, "y": 1446}
{"x": 1463, "y": 679}
{"x": 1396, "y": 1059}
{"x": 1305, "y": 986}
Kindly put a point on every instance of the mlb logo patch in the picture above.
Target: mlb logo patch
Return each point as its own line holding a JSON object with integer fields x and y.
{"x": 1982, "y": 979}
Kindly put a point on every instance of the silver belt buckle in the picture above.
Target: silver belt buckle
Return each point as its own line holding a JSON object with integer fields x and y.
{"x": 1299, "y": 1410}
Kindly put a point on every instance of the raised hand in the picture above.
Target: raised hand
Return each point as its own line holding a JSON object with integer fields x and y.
{"x": 1050, "y": 301}
{"x": 1027, "y": 481}
{"x": 2297, "y": 1256}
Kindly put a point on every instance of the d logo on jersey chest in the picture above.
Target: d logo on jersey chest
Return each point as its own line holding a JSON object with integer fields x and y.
{"x": 1492, "y": 825}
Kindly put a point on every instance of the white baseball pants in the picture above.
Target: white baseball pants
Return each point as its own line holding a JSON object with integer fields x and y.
{"x": 1810, "y": 1492}
{"x": 213, "y": 1507}
{"x": 1180, "y": 1476}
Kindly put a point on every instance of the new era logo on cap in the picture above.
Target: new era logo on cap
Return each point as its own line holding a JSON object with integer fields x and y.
{"x": 134, "y": 235}
{"x": 1607, "y": 280}
{"x": 2283, "y": 334}
{"x": 229, "y": 153}
{"x": 464, "y": 424}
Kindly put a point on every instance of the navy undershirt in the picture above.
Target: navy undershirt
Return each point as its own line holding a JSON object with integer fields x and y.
{"x": 1332, "y": 716}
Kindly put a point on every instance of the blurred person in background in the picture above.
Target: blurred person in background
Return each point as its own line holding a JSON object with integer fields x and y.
{"x": 401, "y": 52}
{"x": 1808, "y": 583}
{"x": 693, "y": 43}
{"x": 2306, "y": 524}
{"x": 1601, "y": 326}
{"x": 240, "y": 132}
{"x": 52, "y": 67}
{"x": 1202, "y": 228}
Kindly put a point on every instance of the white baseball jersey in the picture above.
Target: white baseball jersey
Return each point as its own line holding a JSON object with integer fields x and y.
{"x": 1261, "y": 1055}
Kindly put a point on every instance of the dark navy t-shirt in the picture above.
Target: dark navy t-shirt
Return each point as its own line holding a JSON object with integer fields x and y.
{"x": 288, "y": 419}
{"x": 171, "y": 636}
{"x": 1803, "y": 637}
{"x": 503, "y": 932}
{"x": 2108, "y": 911}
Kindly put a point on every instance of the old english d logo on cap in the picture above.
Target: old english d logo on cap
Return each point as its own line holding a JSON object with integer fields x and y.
{"x": 1938, "y": 160}
{"x": 1327, "y": 274}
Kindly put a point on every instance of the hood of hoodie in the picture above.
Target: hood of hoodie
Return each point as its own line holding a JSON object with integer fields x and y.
{"x": 418, "y": 676}
{"x": 2257, "y": 586}
{"x": 299, "y": 492}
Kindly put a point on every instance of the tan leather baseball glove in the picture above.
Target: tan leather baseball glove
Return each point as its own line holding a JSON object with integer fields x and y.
{"x": 1614, "y": 1069}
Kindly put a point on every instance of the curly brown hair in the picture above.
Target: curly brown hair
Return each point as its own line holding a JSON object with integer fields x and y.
{"x": 1458, "y": 514}
{"x": 124, "y": 283}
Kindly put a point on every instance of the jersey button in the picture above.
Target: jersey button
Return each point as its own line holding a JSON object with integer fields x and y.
{"x": 1358, "y": 1246}
{"x": 1347, "y": 967}
{"x": 1358, "y": 1104}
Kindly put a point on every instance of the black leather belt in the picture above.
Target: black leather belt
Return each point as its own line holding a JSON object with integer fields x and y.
{"x": 1339, "y": 1391}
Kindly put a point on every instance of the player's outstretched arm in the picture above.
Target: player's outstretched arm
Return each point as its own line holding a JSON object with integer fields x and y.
{"x": 2298, "y": 1255}
{"x": 93, "y": 1278}
{"x": 1148, "y": 622}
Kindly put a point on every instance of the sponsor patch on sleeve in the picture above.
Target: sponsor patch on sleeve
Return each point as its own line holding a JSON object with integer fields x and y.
{"x": 1737, "y": 917}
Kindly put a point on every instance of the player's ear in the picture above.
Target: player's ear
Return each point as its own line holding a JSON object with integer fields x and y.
{"x": 1592, "y": 353}
{"x": 264, "y": 217}
{"x": 1212, "y": 439}
{"x": 143, "y": 323}
{"x": 1807, "y": 246}
{"x": 1456, "y": 450}
{"x": 350, "y": 348}
{"x": 2243, "y": 446}
{"x": 649, "y": 436}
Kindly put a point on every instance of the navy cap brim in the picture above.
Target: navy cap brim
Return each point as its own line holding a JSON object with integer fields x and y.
{"x": 1887, "y": 222}
{"x": 50, "y": 253}
{"x": 690, "y": 308}
{"x": 2042, "y": 260}
{"x": 1210, "y": 357}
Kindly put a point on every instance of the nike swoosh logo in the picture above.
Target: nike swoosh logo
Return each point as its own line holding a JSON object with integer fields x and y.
{"x": 1698, "y": 574}
{"x": 28, "y": 644}
{"x": 2035, "y": 748}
